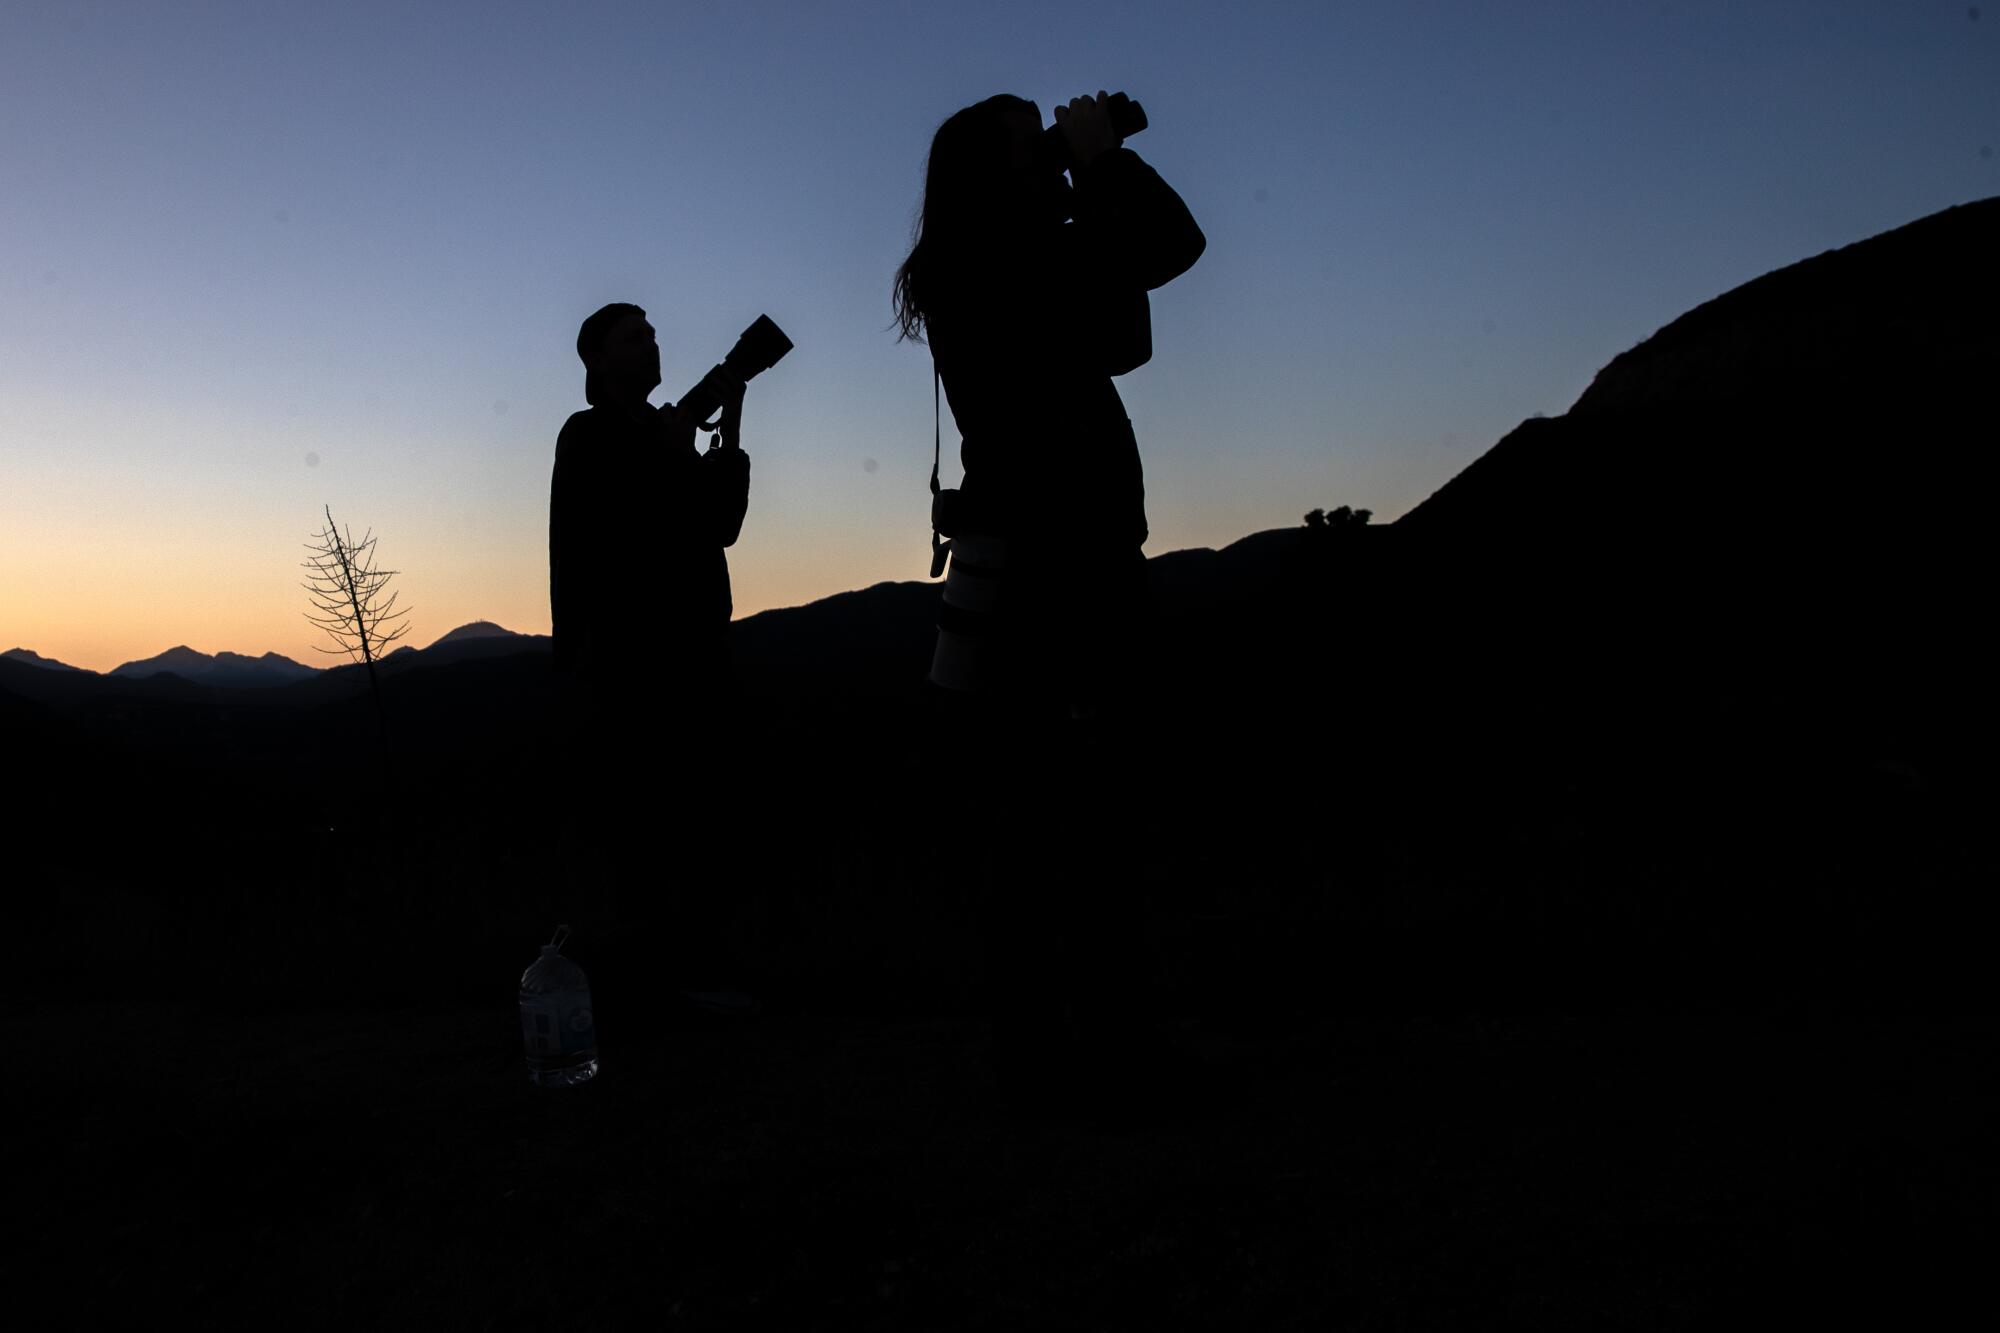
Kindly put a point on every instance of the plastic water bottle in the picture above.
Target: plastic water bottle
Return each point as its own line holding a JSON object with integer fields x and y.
{"x": 558, "y": 1029}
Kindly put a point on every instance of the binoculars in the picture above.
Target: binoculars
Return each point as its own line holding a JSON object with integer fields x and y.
{"x": 760, "y": 347}
{"x": 1127, "y": 117}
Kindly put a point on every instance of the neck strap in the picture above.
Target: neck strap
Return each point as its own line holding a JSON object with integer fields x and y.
{"x": 938, "y": 548}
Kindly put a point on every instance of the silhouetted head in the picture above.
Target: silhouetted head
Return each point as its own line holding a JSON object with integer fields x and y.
{"x": 986, "y": 196}
{"x": 621, "y": 357}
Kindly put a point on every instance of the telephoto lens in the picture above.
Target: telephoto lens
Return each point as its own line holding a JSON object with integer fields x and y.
{"x": 757, "y": 349}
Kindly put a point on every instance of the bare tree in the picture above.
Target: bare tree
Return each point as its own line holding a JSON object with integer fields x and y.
{"x": 348, "y": 602}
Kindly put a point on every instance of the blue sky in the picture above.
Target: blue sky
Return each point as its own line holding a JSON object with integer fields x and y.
{"x": 255, "y": 259}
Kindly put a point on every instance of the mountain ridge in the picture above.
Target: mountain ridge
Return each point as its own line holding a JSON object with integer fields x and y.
{"x": 475, "y": 629}
{"x": 223, "y": 668}
{"x": 28, "y": 657}
{"x": 242, "y": 669}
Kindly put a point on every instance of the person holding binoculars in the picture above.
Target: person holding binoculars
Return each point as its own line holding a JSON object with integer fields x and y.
{"x": 1031, "y": 291}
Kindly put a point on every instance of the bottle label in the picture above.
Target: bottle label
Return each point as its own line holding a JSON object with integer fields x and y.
{"x": 554, "y": 1026}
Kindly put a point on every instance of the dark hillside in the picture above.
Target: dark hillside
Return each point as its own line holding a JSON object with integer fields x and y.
{"x": 1672, "y": 676}
{"x": 1567, "y": 906}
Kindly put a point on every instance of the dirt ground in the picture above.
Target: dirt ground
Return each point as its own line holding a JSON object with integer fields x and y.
{"x": 805, "y": 1171}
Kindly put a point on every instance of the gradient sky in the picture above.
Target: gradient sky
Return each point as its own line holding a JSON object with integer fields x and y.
{"x": 256, "y": 259}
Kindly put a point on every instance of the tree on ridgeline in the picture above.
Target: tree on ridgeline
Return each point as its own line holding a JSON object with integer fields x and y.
{"x": 348, "y": 599}
{"x": 1340, "y": 520}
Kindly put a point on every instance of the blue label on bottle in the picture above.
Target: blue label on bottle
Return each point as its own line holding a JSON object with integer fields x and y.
{"x": 553, "y": 1026}
{"x": 579, "y": 1025}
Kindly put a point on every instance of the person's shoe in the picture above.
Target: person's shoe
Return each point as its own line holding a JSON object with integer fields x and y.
{"x": 642, "y": 1019}
{"x": 1036, "y": 1070}
{"x": 700, "y": 1010}
{"x": 1140, "y": 1078}
{"x": 724, "y": 1004}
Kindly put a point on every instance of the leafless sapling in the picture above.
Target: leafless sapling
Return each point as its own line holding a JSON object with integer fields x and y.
{"x": 348, "y": 602}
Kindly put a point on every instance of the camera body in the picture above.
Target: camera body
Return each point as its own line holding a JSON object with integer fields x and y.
{"x": 1127, "y": 117}
{"x": 757, "y": 349}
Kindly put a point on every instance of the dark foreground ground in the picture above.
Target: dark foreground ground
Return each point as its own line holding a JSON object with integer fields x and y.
{"x": 1654, "y": 1018}
{"x": 809, "y": 1171}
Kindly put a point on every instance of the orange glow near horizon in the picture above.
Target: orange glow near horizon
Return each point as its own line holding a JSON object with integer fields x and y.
{"x": 188, "y": 527}
{"x": 80, "y": 599}
{"x": 82, "y": 604}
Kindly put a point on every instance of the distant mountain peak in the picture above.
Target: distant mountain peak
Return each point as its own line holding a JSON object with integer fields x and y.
{"x": 225, "y": 668}
{"x": 478, "y": 629}
{"x": 179, "y": 658}
{"x": 31, "y": 658}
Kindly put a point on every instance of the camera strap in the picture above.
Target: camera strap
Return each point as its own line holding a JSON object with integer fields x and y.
{"x": 939, "y": 548}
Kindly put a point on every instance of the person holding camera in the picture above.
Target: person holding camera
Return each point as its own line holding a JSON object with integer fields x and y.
{"x": 1031, "y": 291}
{"x": 639, "y": 596}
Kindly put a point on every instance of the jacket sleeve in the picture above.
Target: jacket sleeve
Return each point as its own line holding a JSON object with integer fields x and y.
{"x": 574, "y": 573}
{"x": 1131, "y": 224}
{"x": 1131, "y": 234}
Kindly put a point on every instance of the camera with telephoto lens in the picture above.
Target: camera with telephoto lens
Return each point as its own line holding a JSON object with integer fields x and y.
{"x": 760, "y": 347}
{"x": 1127, "y": 118}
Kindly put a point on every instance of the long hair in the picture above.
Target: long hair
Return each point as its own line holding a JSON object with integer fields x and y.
{"x": 967, "y": 183}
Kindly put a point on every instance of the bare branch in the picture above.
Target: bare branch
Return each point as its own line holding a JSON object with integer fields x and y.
{"x": 345, "y": 590}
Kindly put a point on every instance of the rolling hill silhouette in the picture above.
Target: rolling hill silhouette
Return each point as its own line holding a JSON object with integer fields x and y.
{"x": 229, "y": 670}
{"x": 34, "y": 659}
{"x": 1768, "y": 510}
{"x": 1777, "y": 500}
{"x": 478, "y": 629}
{"x": 1724, "y": 614}
{"x": 477, "y": 641}
{"x": 181, "y": 673}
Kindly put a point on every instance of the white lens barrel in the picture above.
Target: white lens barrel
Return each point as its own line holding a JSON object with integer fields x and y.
{"x": 969, "y": 646}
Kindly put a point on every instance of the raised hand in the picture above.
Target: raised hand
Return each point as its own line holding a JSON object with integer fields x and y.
{"x": 730, "y": 427}
{"x": 1086, "y": 124}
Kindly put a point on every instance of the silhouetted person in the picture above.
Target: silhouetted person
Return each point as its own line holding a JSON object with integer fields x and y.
{"x": 1032, "y": 293}
{"x": 639, "y": 596}
{"x": 638, "y": 522}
